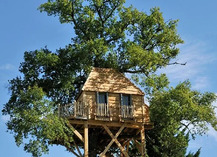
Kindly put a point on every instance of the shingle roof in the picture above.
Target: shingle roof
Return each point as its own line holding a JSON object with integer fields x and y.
{"x": 110, "y": 80}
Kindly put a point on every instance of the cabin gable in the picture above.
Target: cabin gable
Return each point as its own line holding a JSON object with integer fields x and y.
{"x": 110, "y": 80}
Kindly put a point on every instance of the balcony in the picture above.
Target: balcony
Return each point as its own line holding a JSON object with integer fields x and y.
{"x": 78, "y": 110}
{"x": 83, "y": 110}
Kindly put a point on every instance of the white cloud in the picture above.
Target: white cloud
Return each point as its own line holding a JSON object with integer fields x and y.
{"x": 198, "y": 57}
{"x": 6, "y": 67}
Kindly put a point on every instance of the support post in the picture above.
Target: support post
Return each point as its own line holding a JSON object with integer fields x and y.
{"x": 86, "y": 151}
{"x": 143, "y": 144}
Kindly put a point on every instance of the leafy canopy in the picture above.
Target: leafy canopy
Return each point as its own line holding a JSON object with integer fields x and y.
{"x": 107, "y": 34}
{"x": 178, "y": 113}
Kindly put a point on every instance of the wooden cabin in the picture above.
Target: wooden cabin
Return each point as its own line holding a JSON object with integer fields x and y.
{"x": 111, "y": 107}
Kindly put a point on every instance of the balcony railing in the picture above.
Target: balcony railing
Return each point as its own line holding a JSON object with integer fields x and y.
{"x": 77, "y": 109}
{"x": 127, "y": 111}
{"x": 102, "y": 110}
{"x": 82, "y": 110}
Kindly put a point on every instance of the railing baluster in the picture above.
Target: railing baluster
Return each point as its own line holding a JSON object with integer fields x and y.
{"x": 104, "y": 113}
{"x": 126, "y": 111}
{"x": 77, "y": 109}
{"x": 81, "y": 109}
{"x": 102, "y": 110}
{"x": 128, "y": 114}
{"x": 107, "y": 113}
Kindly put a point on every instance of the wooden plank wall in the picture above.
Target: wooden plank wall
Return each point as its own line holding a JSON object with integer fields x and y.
{"x": 114, "y": 104}
{"x": 141, "y": 112}
{"x": 138, "y": 110}
{"x": 90, "y": 98}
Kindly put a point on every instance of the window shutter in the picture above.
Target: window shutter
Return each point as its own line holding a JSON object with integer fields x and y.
{"x": 121, "y": 99}
{"x": 106, "y": 97}
{"x": 97, "y": 97}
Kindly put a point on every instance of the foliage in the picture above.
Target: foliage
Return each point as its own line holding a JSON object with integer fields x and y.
{"x": 177, "y": 114}
{"x": 107, "y": 34}
{"x": 194, "y": 155}
{"x": 33, "y": 117}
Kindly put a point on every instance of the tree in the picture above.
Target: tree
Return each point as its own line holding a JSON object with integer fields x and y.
{"x": 107, "y": 34}
{"x": 178, "y": 113}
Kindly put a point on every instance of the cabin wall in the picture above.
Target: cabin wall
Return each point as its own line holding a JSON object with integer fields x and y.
{"x": 141, "y": 110}
{"x": 141, "y": 113}
{"x": 90, "y": 99}
{"x": 138, "y": 110}
{"x": 114, "y": 104}
{"x": 146, "y": 112}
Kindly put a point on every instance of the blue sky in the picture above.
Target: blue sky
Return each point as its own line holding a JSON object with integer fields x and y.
{"x": 24, "y": 28}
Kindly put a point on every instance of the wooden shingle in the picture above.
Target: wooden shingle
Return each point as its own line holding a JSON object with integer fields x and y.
{"x": 110, "y": 80}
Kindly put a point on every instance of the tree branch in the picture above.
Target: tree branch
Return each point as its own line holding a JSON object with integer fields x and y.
{"x": 111, "y": 12}
{"x": 175, "y": 63}
{"x": 75, "y": 23}
{"x": 101, "y": 19}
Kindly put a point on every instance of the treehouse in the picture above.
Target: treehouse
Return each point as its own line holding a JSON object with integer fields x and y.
{"x": 108, "y": 114}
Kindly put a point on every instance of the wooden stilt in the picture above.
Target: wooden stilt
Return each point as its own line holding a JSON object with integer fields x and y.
{"x": 143, "y": 142}
{"x": 86, "y": 140}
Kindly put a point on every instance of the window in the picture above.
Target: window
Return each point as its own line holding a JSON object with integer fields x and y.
{"x": 102, "y": 107}
{"x": 126, "y": 99}
{"x": 102, "y": 98}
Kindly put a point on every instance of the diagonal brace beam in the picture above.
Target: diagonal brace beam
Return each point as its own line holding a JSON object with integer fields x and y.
{"x": 76, "y": 132}
{"x": 114, "y": 139}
